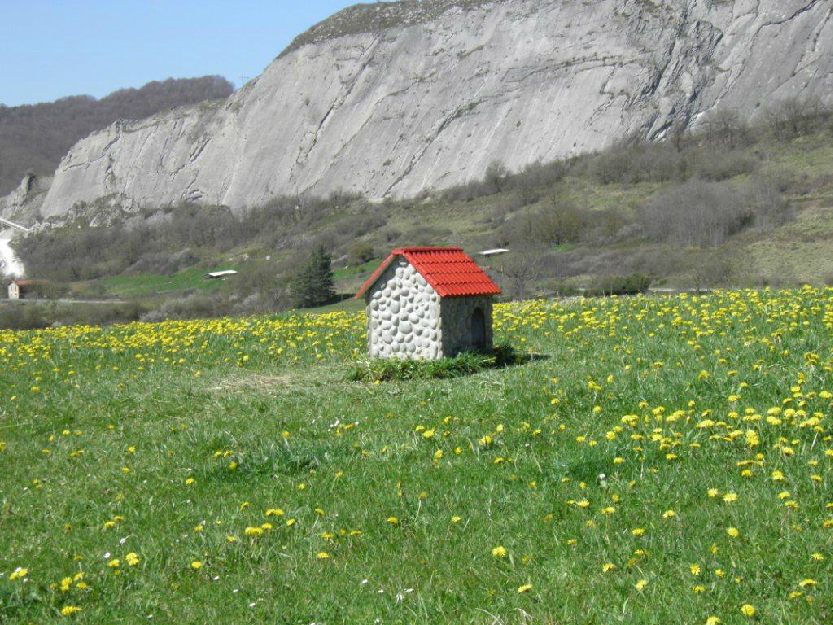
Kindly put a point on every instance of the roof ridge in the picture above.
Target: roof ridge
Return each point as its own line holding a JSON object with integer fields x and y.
{"x": 400, "y": 250}
{"x": 450, "y": 273}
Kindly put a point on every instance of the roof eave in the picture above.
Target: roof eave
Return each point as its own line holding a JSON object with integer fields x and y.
{"x": 374, "y": 277}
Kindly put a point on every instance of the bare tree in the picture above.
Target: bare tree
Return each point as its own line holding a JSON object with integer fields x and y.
{"x": 521, "y": 272}
{"x": 726, "y": 127}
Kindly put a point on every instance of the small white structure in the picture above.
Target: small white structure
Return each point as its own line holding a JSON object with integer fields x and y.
{"x": 428, "y": 303}
{"x": 495, "y": 252}
{"x": 14, "y": 290}
{"x": 215, "y": 275}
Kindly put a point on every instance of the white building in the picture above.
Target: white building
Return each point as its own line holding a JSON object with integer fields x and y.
{"x": 428, "y": 303}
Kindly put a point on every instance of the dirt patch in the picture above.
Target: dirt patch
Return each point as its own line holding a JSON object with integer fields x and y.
{"x": 246, "y": 381}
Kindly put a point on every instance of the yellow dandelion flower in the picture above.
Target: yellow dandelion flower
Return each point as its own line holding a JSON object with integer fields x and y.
{"x": 524, "y": 588}
{"x": 748, "y": 609}
{"x": 641, "y": 584}
{"x": 733, "y": 532}
{"x": 499, "y": 552}
{"x": 69, "y": 610}
{"x": 18, "y": 573}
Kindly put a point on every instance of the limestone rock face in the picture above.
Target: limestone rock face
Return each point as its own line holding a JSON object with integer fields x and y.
{"x": 391, "y": 99}
{"x": 24, "y": 203}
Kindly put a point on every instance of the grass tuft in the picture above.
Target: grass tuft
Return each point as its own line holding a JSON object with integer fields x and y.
{"x": 464, "y": 364}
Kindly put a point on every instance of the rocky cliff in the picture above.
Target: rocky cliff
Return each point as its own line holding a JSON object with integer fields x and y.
{"x": 389, "y": 99}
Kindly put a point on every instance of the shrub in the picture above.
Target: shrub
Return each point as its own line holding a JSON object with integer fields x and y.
{"x": 719, "y": 166}
{"x": 465, "y": 363}
{"x": 192, "y": 306}
{"x": 619, "y": 285}
{"x": 792, "y": 118}
{"x": 696, "y": 213}
{"x": 360, "y": 252}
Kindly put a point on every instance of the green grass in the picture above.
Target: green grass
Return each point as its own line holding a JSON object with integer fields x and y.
{"x": 350, "y": 304}
{"x": 165, "y": 440}
{"x": 143, "y": 284}
{"x": 362, "y": 270}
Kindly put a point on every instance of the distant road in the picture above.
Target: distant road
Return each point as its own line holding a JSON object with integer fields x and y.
{"x": 64, "y": 301}
{"x": 11, "y": 224}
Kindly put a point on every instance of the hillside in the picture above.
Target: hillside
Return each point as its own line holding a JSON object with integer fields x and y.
{"x": 34, "y": 138}
{"x": 731, "y": 205}
{"x": 391, "y": 100}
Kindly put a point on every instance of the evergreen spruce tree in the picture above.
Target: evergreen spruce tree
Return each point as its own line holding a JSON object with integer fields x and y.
{"x": 313, "y": 284}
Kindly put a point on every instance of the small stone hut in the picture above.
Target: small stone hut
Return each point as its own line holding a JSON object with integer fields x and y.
{"x": 428, "y": 303}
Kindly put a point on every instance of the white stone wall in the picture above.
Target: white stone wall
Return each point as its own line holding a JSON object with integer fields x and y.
{"x": 456, "y": 314}
{"x": 403, "y": 315}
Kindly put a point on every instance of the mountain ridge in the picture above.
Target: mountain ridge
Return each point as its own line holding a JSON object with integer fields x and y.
{"x": 431, "y": 102}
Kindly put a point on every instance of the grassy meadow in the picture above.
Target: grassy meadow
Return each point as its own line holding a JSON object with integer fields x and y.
{"x": 660, "y": 460}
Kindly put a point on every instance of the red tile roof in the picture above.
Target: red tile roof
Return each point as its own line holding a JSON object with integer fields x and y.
{"x": 449, "y": 270}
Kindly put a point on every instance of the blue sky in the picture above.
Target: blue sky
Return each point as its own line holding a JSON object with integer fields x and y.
{"x": 55, "y": 48}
